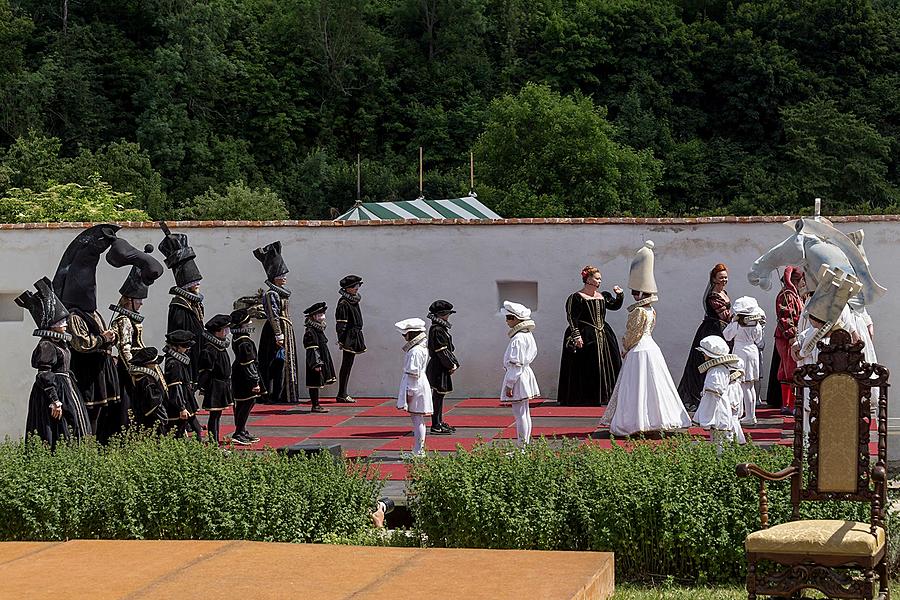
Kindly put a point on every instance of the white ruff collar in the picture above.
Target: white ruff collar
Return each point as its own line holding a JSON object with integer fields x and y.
{"x": 526, "y": 325}
{"x": 719, "y": 360}
{"x": 415, "y": 341}
{"x": 643, "y": 302}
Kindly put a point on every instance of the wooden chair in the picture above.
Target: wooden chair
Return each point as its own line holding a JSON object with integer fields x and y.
{"x": 839, "y": 558}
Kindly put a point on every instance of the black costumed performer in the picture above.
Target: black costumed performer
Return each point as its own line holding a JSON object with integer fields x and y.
{"x": 245, "y": 378}
{"x": 716, "y": 317}
{"x": 127, "y": 323}
{"x": 56, "y": 409}
{"x": 215, "y": 373}
{"x": 181, "y": 406}
{"x": 186, "y": 306}
{"x": 148, "y": 390}
{"x": 277, "y": 343}
{"x": 319, "y": 367}
{"x": 349, "y": 324}
{"x": 442, "y": 362}
{"x": 590, "y": 359}
{"x": 92, "y": 341}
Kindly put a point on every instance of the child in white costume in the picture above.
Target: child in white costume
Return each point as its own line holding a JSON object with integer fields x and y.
{"x": 519, "y": 384}
{"x": 645, "y": 397}
{"x": 747, "y": 332}
{"x": 415, "y": 391}
{"x": 722, "y": 395}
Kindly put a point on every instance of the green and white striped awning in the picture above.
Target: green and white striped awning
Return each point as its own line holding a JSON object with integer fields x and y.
{"x": 456, "y": 208}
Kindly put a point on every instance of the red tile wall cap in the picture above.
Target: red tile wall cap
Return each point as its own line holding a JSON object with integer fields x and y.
{"x": 459, "y": 222}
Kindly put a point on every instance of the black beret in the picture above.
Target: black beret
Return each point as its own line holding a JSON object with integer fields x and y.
{"x": 180, "y": 337}
{"x": 218, "y": 322}
{"x": 440, "y": 306}
{"x": 351, "y": 281}
{"x": 145, "y": 356}
{"x": 316, "y": 308}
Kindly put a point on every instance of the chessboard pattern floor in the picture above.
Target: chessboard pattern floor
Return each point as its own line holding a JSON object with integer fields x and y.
{"x": 375, "y": 429}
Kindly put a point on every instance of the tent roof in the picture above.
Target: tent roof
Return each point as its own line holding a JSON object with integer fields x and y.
{"x": 455, "y": 208}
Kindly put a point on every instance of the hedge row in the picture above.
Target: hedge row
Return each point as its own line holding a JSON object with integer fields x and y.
{"x": 675, "y": 509}
{"x": 140, "y": 487}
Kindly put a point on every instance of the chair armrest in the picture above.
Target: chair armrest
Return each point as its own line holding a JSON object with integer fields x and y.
{"x": 748, "y": 469}
{"x": 879, "y": 474}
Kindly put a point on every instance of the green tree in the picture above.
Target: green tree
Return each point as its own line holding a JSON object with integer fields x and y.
{"x": 95, "y": 202}
{"x": 239, "y": 202}
{"x": 554, "y": 154}
{"x": 838, "y": 156}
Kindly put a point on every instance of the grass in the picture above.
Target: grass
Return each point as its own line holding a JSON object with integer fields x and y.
{"x": 669, "y": 591}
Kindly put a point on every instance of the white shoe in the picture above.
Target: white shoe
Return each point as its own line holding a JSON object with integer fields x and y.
{"x": 412, "y": 455}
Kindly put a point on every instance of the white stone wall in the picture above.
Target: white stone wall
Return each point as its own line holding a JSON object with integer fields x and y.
{"x": 405, "y": 267}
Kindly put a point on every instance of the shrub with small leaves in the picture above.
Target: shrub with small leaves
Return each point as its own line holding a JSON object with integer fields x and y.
{"x": 141, "y": 487}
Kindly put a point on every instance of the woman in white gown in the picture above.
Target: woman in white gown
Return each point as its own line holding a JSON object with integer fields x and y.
{"x": 645, "y": 397}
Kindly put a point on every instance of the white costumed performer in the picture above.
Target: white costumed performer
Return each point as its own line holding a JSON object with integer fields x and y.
{"x": 519, "y": 384}
{"x": 415, "y": 392}
{"x": 747, "y": 332}
{"x": 645, "y": 397}
{"x": 722, "y": 396}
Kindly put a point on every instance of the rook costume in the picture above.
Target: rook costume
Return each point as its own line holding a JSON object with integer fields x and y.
{"x": 53, "y": 386}
{"x": 277, "y": 344}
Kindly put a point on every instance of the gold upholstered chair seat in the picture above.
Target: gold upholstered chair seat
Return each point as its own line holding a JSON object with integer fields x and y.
{"x": 817, "y": 538}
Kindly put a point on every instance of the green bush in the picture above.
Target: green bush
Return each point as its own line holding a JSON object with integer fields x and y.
{"x": 239, "y": 202}
{"x": 673, "y": 509}
{"x": 140, "y": 487}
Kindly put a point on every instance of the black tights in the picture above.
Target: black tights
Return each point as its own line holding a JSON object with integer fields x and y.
{"x": 191, "y": 424}
{"x": 314, "y": 396}
{"x": 344, "y": 376}
{"x": 241, "y": 414}
{"x": 94, "y": 416}
{"x": 212, "y": 426}
{"x": 437, "y": 417}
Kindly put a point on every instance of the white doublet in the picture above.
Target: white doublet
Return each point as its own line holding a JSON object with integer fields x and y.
{"x": 745, "y": 346}
{"x": 720, "y": 402}
{"x": 415, "y": 391}
{"x": 520, "y": 353}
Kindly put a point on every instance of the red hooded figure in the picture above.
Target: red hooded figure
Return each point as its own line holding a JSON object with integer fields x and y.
{"x": 788, "y": 306}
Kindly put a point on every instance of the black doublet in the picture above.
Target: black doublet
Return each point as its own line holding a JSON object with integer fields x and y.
{"x": 181, "y": 391}
{"x": 187, "y": 315}
{"x": 215, "y": 375}
{"x": 317, "y": 355}
{"x": 441, "y": 359}
{"x": 245, "y": 369}
{"x": 348, "y": 321}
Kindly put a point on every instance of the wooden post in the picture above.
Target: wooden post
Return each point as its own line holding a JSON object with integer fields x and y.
{"x": 358, "y": 180}
{"x": 421, "y": 178}
{"x": 471, "y": 171}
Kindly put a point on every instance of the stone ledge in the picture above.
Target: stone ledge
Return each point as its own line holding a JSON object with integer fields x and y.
{"x": 456, "y": 222}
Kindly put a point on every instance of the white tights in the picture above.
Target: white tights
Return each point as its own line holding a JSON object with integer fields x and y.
{"x": 418, "y": 433}
{"x": 522, "y": 413}
{"x": 749, "y": 391}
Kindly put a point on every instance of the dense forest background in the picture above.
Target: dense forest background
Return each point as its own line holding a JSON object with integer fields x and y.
{"x": 258, "y": 108}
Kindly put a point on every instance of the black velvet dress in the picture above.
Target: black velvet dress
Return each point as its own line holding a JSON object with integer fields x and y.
{"x": 215, "y": 374}
{"x": 441, "y": 359}
{"x": 717, "y": 315}
{"x": 587, "y": 375}
{"x": 54, "y": 382}
{"x": 317, "y": 355}
{"x": 188, "y": 316}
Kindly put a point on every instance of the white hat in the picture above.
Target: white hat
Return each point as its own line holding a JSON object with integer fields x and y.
{"x": 834, "y": 290}
{"x": 408, "y": 325}
{"x": 640, "y": 276}
{"x": 746, "y": 305}
{"x": 713, "y": 346}
{"x": 519, "y": 311}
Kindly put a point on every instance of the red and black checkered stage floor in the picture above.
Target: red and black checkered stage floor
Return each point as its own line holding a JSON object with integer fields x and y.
{"x": 375, "y": 429}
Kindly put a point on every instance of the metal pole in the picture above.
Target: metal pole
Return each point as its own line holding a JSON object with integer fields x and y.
{"x": 421, "y": 179}
{"x": 358, "y": 179}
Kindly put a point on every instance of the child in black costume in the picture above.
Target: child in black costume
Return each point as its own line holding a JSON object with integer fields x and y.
{"x": 215, "y": 372}
{"x": 181, "y": 405}
{"x": 245, "y": 379}
{"x": 319, "y": 368}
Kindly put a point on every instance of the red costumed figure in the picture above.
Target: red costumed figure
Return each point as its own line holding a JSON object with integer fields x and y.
{"x": 788, "y": 306}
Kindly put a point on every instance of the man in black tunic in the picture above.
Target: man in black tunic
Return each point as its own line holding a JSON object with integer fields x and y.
{"x": 349, "y": 324}
{"x": 319, "y": 368}
{"x": 186, "y": 306}
{"x": 442, "y": 362}
{"x": 277, "y": 343}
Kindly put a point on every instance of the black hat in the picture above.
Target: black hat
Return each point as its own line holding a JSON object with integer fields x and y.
{"x": 318, "y": 307}
{"x": 351, "y": 281}
{"x": 180, "y": 337}
{"x": 45, "y": 308}
{"x": 270, "y": 257}
{"x": 239, "y": 317}
{"x": 145, "y": 356}
{"x": 179, "y": 257}
{"x": 218, "y": 322}
{"x": 136, "y": 285}
{"x": 75, "y": 281}
{"x": 440, "y": 306}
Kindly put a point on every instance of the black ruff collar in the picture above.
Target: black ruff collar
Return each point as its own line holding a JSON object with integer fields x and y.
{"x": 218, "y": 343}
{"x": 439, "y": 321}
{"x": 59, "y": 336}
{"x": 239, "y": 331}
{"x": 134, "y": 316}
{"x": 351, "y": 298}
{"x": 314, "y": 324}
{"x": 176, "y": 355}
{"x": 178, "y": 291}
{"x": 281, "y": 291}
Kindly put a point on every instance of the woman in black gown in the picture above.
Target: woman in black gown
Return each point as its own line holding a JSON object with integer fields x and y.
{"x": 590, "y": 358}
{"x": 716, "y": 316}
